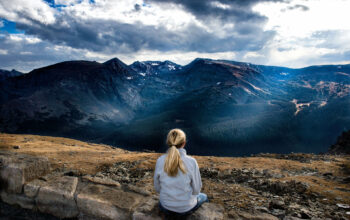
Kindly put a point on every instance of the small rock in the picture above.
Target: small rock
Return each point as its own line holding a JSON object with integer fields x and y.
{"x": 103, "y": 181}
{"x": 291, "y": 218}
{"x": 261, "y": 209}
{"x": 344, "y": 206}
{"x": 278, "y": 212}
{"x": 252, "y": 216}
{"x": 346, "y": 179}
{"x": 305, "y": 213}
{"x": 16, "y": 147}
{"x": 138, "y": 190}
{"x": 277, "y": 204}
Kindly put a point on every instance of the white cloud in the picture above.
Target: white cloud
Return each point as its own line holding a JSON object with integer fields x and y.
{"x": 171, "y": 17}
{"x": 1, "y": 23}
{"x": 66, "y": 2}
{"x": 24, "y": 11}
{"x": 3, "y": 52}
{"x": 315, "y": 32}
{"x": 179, "y": 57}
{"x": 307, "y": 37}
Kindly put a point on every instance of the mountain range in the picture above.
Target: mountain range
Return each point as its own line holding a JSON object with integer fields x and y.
{"x": 226, "y": 108}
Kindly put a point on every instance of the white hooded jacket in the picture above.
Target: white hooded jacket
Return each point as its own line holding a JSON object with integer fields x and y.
{"x": 179, "y": 193}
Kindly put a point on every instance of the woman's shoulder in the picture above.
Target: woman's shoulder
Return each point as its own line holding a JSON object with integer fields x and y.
{"x": 161, "y": 158}
{"x": 191, "y": 159}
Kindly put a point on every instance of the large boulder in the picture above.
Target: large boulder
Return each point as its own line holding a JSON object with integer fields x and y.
{"x": 251, "y": 216}
{"x": 18, "y": 199}
{"x": 149, "y": 211}
{"x": 56, "y": 196}
{"x": 208, "y": 211}
{"x": 97, "y": 201}
{"x": 17, "y": 169}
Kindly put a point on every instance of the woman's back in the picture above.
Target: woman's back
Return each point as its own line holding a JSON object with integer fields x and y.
{"x": 177, "y": 178}
{"x": 178, "y": 193}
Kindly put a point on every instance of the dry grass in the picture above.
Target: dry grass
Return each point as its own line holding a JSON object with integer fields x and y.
{"x": 89, "y": 158}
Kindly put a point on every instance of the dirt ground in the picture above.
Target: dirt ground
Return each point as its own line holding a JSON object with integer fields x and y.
{"x": 325, "y": 176}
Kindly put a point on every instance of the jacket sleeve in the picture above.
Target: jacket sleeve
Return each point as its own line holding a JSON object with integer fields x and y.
{"x": 156, "y": 181}
{"x": 196, "y": 182}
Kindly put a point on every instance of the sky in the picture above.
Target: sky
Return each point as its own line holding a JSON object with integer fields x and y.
{"x": 291, "y": 33}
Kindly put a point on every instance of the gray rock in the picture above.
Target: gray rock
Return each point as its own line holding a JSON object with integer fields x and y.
{"x": 208, "y": 211}
{"x": 57, "y": 197}
{"x": 137, "y": 190}
{"x": 18, "y": 199}
{"x": 277, "y": 204}
{"x": 261, "y": 209}
{"x": 148, "y": 210}
{"x": 252, "y": 216}
{"x": 104, "y": 202}
{"x": 291, "y": 218}
{"x": 104, "y": 180}
{"x": 31, "y": 189}
{"x": 17, "y": 169}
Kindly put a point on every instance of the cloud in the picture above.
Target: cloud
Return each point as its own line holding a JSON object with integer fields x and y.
{"x": 226, "y": 10}
{"x": 27, "y": 11}
{"x": 137, "y": 7}
{"x": 258, "y": 31}
{"x": 25, "y": 53}
{"x": 96, "y": 33}
{"x": 297, "y": 6}
{"x": 2, "y": 23}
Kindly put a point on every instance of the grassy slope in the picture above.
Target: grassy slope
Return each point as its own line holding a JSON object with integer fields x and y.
{"x": 89, "y": 158}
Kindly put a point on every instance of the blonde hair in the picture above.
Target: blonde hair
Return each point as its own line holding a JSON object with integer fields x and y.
{"x": 175, "y": 139}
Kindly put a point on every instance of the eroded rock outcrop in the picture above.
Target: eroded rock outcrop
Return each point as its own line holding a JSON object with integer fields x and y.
{"x": 25, "y": 184}
{"x": 57, "y": 197}
{"x": 17, "y": 169}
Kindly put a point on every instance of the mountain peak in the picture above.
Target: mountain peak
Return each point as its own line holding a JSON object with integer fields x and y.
{"x": 4, "y": 74}
{"x": 118, "y": 66}
{"x": 115, "y": 61}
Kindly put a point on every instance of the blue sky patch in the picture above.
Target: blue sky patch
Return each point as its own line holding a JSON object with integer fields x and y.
{"x": 9, "y": 27}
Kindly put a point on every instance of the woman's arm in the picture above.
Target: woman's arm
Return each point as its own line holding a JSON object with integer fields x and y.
{"x": 156, "y": 181}
{"x": 196, "y": 182}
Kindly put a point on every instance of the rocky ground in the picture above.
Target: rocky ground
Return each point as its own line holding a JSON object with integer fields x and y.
{"x": 264, "y": 186}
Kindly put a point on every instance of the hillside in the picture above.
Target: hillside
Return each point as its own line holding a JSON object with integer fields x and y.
{"x": 266, "y": 185}
{"x": 240, "y": 108}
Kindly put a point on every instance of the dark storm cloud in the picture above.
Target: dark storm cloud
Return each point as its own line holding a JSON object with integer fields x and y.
{"x": 243, "y": 30}
{"x": 112, "y": 36}
{"x": 226, "y": 10}
{"x": 137, "y": 7}
{"x": 24, "y": 55}
{"x": 295, "y": 7}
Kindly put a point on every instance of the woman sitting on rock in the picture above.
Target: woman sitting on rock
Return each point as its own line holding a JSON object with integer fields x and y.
{"x": 177, "y": 178}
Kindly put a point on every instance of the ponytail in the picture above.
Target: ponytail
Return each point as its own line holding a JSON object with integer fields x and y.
{"x": 173, "y": 162}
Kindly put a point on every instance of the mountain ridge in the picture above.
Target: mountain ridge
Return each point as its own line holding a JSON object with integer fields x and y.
{"x": 243, "y": 108}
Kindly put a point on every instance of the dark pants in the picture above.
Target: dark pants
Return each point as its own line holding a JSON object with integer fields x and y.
{"x": 201, "y": 198}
